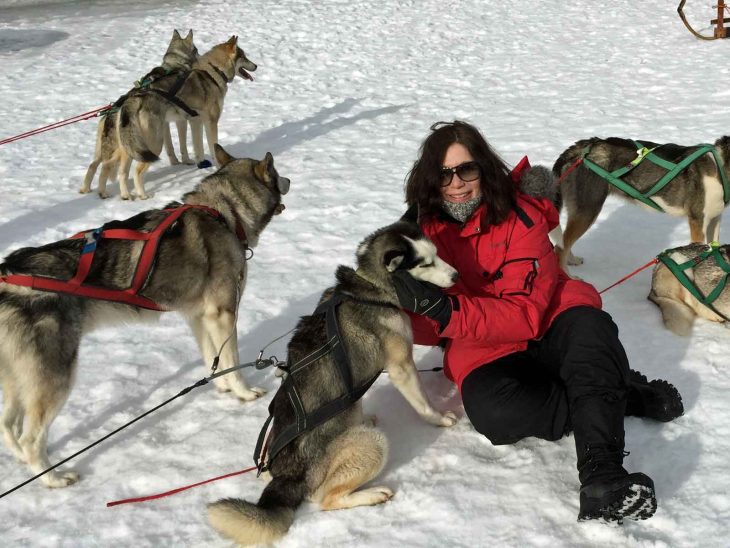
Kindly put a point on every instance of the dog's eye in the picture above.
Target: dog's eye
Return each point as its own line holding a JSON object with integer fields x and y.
{"x": 429, "y": 265}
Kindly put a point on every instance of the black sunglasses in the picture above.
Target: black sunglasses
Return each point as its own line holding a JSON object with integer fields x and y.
{"x": 467, "y": 172}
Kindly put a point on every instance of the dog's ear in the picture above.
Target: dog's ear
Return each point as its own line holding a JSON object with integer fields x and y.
{"x": 232, "y": 44}
{"x": 411, "y": 215}
{"x": 222, "y": 156}
{"x": 263, "y": 168}
{"x": 176, "y": 35}
{"x": 189, "y": 37}
{"x": 393, "y": 259}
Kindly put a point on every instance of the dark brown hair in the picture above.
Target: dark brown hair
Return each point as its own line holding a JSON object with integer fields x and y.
{"x": 423, "y": 183}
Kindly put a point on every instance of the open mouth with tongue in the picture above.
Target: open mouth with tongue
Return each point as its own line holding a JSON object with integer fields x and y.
{"x": 242, "y": 72}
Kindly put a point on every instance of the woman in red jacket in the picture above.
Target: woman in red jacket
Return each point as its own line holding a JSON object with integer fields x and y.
{"x": 531, "y": 350}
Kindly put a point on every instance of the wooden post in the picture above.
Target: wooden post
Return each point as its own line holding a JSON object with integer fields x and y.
{"x": 720, "y": 30}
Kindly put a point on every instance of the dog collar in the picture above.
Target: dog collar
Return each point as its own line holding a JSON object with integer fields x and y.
{"x": 222, "y": 74}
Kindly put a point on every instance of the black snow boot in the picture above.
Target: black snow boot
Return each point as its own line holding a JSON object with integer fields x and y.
{"x": 657, "y": 399}
{"x": 608, "y": 491}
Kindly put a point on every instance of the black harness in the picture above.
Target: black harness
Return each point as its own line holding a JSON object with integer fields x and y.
{"x": 266, "y": 449}
{"x": 221, "y": 74}
{"x": 169, "y": 95}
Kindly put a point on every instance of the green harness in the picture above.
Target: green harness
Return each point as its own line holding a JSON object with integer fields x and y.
{"x": 678, "y": 271}
{"x": 614, "y": 177}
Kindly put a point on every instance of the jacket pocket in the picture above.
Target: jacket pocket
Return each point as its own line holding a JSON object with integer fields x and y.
{"x": 516, "y": 277}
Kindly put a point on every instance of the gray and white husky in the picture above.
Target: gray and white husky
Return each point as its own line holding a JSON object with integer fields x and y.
{"x": 179, "y": 57}
{"x": 143, "y": 116}
{"x": 695, "y": 193}
{"x": 199, "y": 271}
{"x": 679, "y": 307}
{"x": 330, "y": 462}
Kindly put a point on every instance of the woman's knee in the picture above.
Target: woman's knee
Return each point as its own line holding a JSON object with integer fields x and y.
{"x": 498, "y": 427}
{"x": 586, "y": 319}
{"x": 492, "y": 411}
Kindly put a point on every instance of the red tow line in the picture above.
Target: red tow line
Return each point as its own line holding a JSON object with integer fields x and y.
{"x": 568, "y": 171}
{"x": 647, "y": 265}
{"x": 67, "y": 121}
{"x": 178, "y": 490}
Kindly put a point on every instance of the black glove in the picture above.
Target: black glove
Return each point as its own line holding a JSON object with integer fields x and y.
{"x": 422, "y": 298}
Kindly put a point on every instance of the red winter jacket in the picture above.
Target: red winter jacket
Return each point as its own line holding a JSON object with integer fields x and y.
{"x": 510, "y": 289}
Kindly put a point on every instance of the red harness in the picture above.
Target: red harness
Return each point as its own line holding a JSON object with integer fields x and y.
{"x": 130, "y": 296}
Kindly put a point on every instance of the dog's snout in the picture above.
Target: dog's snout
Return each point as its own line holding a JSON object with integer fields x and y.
{"x": 454, "y": 277}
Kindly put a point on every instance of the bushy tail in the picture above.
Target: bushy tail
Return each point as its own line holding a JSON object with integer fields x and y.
{"x": 248, "y": 523}
{"x": 571, "y": 154}
{"x": 564, "y": 161}
{"x": 131, "y": 131}
{"x": 539, "y": 182}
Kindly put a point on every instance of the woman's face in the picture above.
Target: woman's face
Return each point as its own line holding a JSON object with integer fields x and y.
{"x": 459, "y": 175}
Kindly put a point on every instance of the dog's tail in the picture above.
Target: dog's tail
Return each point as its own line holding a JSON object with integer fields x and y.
{"x": 567, "y": 159}
{"x": 133, "y": 123}
{"x": 248, "y": 523}
{"x": 539, "y": 182}
{"x": 571, "y": 155}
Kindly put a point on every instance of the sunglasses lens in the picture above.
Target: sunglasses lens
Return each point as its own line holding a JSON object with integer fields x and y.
{"x": 468, "y": 172}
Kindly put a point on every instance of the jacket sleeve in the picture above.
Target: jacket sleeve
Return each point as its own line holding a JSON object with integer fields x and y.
{"x": 425, "y": 330}
{"x": 522, "y": 291}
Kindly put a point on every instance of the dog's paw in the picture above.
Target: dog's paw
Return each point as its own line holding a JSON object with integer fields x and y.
{"x": 380, "y": 494}
{"x": 251, "y": 394}
{"x": 187, "y": 161}
{"x": 143, "y": 196}
{"x": 60, "y": 479}
{"x": 449, "y": 419}
{"x": 103, "y": 195}
{"x": 574, "y": 260}
{"x": 446, "y": 419}
{"x": 173, "y": 160}
{"x": 84, "y": 190}
{"x": 125, "y": 196}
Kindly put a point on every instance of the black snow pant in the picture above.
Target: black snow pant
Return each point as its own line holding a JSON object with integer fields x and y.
{"x": 574, "y": 378}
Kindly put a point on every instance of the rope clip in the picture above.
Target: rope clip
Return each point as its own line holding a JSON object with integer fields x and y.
{"x": 263, "y": 364}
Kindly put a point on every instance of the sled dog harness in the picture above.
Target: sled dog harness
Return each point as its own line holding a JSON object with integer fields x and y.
{"x": 267, "y": 449}
{"x": 615, "y": 177}
{"x": 679, "y": 272}
{"x": 142, "y": 87}
{"x": 143, "y": 270}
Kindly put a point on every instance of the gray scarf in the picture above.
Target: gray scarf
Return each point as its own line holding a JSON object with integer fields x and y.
{"x": 463, "y": 210}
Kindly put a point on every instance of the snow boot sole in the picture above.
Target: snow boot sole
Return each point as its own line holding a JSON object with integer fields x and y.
{"x": 631, "y": 497}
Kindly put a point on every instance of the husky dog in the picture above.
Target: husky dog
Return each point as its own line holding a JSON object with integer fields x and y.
{"x": 199, "y": 271}
{"x": 180, "y": 56}
{"x": 329, "y": 462}
{"x": 679, "y": 307}
{"x": 197, "y": 97}
{"x": 695, "y": 193}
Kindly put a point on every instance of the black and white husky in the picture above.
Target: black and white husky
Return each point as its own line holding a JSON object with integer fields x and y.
{"x": 328, "y": 463}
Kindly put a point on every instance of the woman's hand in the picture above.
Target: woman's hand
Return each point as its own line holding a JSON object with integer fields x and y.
{"x": 422, "y": 298}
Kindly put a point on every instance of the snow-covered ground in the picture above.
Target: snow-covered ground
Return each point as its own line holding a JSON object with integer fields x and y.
{"x": 344, "y": 94}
